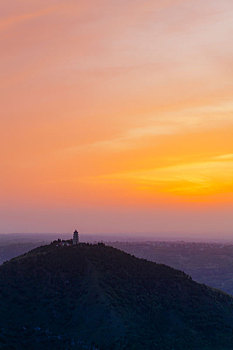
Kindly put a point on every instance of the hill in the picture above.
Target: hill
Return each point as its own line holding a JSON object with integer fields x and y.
{"x": 98, "y": 297}
{"x": 209, "y": 263}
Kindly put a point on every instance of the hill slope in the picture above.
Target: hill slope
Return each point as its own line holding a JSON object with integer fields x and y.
{"x": 98, "y": 297}
{"x": 209, "y": 263}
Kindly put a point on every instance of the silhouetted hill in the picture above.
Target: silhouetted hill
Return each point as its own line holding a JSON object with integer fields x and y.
{"x": 98, "y": 297}
{"x": 209, "y": 263}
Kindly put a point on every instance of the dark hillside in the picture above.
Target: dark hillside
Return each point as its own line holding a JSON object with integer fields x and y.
{"x": 209, "y": 263}
{"x": 98, "y": 297}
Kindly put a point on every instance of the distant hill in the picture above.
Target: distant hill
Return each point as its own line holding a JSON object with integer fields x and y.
{"x": 98, "y": 297}
{"x": 10, "y": 251}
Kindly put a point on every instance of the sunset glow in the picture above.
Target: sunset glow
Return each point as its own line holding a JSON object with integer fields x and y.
{"x": 116, "y": 111}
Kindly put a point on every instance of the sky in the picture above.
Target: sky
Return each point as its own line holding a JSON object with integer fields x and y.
{"x": 116, "y": 117}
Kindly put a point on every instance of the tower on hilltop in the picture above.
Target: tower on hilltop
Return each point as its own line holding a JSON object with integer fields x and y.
{"x": 75, "y": 238}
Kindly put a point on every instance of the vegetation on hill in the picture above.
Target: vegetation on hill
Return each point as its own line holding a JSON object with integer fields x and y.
{"x": 209, "y": 263}
{"x": 98, "y": 297}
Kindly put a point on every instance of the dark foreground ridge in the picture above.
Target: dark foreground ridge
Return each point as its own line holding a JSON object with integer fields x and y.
{"x": 98, "y": 297}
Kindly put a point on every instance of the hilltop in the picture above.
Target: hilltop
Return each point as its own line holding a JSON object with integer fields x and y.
{"x": 98, "y": 297}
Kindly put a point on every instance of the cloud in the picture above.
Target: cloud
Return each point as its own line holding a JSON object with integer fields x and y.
{"x": 199, "y": 178}
{"x": 201, "y": 118}
{"x": 225, "y": 157}
{"x": 10, "y": 21}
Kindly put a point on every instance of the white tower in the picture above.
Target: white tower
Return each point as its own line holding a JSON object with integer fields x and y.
{"x": 75, "y": 238}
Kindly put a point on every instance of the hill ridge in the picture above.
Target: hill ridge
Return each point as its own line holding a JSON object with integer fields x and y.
{"x": 96, "y": 296}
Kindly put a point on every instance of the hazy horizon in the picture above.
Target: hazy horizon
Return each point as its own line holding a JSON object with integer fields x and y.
{"x": 186, "y": 223}
{"x": 94, "y": 237}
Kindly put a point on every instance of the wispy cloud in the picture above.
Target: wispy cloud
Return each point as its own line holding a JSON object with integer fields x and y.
{"x": 6, "y": 23}
{"x": 225, "y": 157}
{"x": 189, "y": 179}
{"x": 205, "y": 117}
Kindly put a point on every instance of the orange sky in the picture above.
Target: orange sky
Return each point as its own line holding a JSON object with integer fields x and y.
{"x": 116, "y": 116}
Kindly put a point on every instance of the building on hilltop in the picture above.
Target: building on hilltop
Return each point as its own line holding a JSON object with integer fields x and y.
{"x": 62, "y": 243}
{"x": 75, "y": 238}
